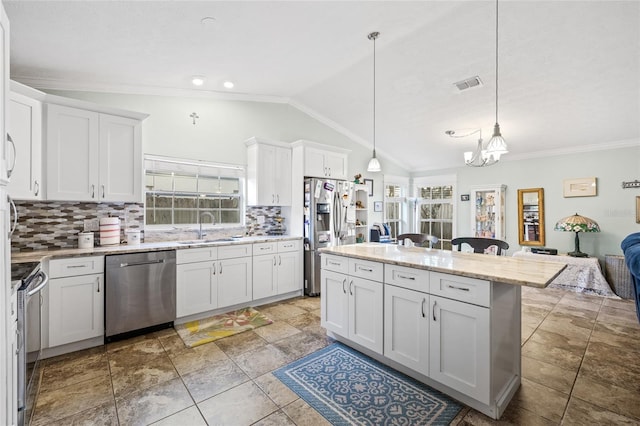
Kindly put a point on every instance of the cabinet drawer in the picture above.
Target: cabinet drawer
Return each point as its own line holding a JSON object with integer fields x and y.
{"x": 196, "y": 255}
{"x": 335, "y": 263}
{"x": 470, "y": 290}
{"x": 264, "y": 248}
{"x": 410, "y": 278}
{"x": 292, "y": 245}
{"x": 235, "y": 250}
{"x": 366, "y": 269}
{"x": 75, "y": 266}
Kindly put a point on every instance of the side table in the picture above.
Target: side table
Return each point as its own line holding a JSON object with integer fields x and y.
{"x": 582, "y": 274}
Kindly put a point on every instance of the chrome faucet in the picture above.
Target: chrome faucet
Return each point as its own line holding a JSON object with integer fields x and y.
{"x": 213, "y": 222}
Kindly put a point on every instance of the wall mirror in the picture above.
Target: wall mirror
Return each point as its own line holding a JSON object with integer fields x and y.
{"x": 531, "y": 217}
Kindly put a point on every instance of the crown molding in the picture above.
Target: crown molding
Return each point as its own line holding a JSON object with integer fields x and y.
{"x": 604, "y": 146}
{"x": 78, "y": 86}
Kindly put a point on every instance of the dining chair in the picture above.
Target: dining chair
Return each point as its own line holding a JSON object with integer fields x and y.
{"x": 481, "y": 245}
{"x": 418, "y": 239}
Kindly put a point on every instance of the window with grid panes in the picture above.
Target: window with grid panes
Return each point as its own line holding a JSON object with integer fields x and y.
{"x": 435, "y": 213}
{"x": 395, "y": 208}
{"x": 178, "y": 192}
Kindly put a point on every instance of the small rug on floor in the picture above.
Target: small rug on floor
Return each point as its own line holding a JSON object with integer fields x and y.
{"x": 199, "y": 332}
{"x": 349, "y": 388}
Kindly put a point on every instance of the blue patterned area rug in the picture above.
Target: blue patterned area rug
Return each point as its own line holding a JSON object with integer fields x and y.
{"x": 349, "y": 388}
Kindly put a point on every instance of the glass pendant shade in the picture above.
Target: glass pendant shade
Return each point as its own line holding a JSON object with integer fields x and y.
{"x": 374, "y": 164}
{"x": 496, "y": 146}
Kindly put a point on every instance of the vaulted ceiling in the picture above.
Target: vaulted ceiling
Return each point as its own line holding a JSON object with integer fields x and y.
{"x": 569, "y": 71}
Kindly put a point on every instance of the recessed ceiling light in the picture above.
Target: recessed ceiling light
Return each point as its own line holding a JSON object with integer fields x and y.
{"x": 197, "y": 80}
{"x": 228, "y": 84}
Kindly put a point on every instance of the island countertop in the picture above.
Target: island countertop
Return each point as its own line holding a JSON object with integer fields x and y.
{"x": 504, "y": 269}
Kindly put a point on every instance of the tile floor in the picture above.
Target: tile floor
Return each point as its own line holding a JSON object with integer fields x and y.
{"x": 580, "y": 365}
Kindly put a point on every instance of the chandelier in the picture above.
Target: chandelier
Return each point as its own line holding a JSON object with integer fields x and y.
{"x": 489, "y": 155}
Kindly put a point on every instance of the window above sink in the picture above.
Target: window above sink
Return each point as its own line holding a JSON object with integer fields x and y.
{"x": 179, "y": 191}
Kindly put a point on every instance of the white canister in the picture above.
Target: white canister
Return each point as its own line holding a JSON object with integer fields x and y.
{"x": 109, "y": 231}
{"x": 133, "y": 236}
{"x": 85, "y": 240}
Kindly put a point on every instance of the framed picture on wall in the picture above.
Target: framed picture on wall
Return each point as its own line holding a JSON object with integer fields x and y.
{"x": 582, "y": 187}
{"x": 369, "y": 184}
{"x": 377, "y": 206}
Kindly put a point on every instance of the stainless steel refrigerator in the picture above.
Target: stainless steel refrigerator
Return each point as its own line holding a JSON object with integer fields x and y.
{"x": 329, "y": 220}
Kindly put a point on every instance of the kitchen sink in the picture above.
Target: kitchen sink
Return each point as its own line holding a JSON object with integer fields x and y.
{"x": 216, "y": 240}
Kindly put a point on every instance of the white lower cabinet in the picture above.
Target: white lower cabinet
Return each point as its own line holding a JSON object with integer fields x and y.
{"x": 406, "y": 327}
{"x": 460, "y": 347}
{"x": 76, "y": 308}
{"x": 75, "y": 299}
{"x": 196, "y": 288}
{"x": 264, "y": 276}
{"x": 234, "y": 281}
{"x": 365, "y": 313}
{"x": 278, "y": 272}
{"x": 210, "y": 278}
{"x": 352, "y": 307}
{"x": 460, "y": 335}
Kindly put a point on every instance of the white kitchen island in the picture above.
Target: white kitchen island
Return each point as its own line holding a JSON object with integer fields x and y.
{"x": 448, "y": 319}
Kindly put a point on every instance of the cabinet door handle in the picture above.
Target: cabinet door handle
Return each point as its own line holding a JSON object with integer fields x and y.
{"x": 351, "y": 288}
{"x": 18, "y": 341}
{"x": 278, "y": 198}
{"x": 273, "y": 198}
{"x": 433, "y": 311}
{"x": 279, "y": 260}
{"x": 36, "y": 188}
{"x": 406, "y": 277}
{"x": 98, "y": 281}
{"x": 274, "y": 261}
{"x": 458, "y": 288}
{"x": 329, "y": 171}
{"x": 220, "y": 268}
{"x": 333, "y": 263}
{"x": 102, "y": 190}
{"x": 360, "y": 268}
{"x": 15, "y": 216}
{"x": 424, "y": 299}
{"x": 93, "y": 191}
{"x": 343, "y": 283}
{"x": 15, "y": 154}
{"x": 77, "y": 266}
{"x": 214, "y": 268}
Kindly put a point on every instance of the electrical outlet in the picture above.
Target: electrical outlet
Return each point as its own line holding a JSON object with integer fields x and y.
{"x": 91, "y": 225}
{"x": 260, "y": 219}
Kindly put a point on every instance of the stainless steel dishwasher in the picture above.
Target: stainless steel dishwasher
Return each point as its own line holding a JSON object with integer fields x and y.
{"x": 140, "y": 292}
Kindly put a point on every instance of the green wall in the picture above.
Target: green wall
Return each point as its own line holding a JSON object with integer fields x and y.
{"x": 613, "y": 207}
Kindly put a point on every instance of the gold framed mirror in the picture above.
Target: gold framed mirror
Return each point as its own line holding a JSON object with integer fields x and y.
{"x": 531, "y": 217}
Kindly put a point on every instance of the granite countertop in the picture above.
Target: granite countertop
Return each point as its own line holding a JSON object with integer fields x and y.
{"x": 504, "y": 269}
{"x": 40, "y": 255}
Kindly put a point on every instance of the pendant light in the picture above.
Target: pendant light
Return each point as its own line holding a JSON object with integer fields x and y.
{"x": 374, "y": 164}
{"x": 496, "y": 146}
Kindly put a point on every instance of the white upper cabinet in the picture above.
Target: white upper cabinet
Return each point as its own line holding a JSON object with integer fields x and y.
{"x": 322, "y": 161}
{"x": 120, "y": 159}
{"x": 25, "y": 127}
{"x": 268, "y": 173}
{"x": 4, "y": 100}
{"x": 92, "y": 156}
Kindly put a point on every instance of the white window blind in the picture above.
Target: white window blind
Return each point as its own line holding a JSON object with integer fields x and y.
{"x": 179, "y": 191}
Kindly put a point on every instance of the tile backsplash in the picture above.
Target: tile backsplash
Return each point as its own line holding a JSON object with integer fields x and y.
{"x": 46, "y": 225}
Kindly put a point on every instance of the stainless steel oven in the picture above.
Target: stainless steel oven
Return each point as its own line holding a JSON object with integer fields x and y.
{"x": 29, "y": 347}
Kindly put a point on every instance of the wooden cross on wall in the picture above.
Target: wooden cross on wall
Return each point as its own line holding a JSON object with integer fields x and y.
{"x": 194, "y": 116}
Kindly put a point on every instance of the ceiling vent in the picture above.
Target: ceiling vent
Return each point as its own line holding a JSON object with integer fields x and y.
{"x": 468, "y": 83}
